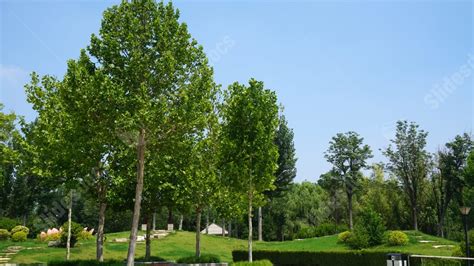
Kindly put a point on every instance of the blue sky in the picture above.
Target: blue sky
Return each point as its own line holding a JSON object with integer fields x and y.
{"x": 336, "y": 65}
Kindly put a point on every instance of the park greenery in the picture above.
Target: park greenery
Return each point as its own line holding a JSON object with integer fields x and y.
{"x": 138, "y": 132}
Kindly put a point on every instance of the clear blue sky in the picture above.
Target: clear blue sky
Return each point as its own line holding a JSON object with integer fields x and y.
{"x": 336, "y": 66}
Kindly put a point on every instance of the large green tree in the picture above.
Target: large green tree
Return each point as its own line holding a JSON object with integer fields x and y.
{"x": 410, "y": 162}
{"x": 250, "y": 119}
{"x": 348, "y": 156}
{"x": 160, "y": 72}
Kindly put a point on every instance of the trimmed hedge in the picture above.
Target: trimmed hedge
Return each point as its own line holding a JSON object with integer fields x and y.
{"x": 86, "y": 263}
{"x": 255, "y": 263}
{"x": 316, "y": 258}
{"x": 204, "y": 258}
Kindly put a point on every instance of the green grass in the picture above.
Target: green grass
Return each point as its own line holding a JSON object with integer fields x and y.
{"x": 181, "y": 244}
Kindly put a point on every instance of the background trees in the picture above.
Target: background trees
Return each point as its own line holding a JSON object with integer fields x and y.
{"x": 409, "y": 161}
{"x": 348, "y": 155}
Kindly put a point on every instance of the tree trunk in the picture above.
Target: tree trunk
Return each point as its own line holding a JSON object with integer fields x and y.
{"x": 349, "y": 200}
{"x": 69, "y": 221}
{"x": 415, "y": 218}
{"x": 180, "y": 226}
{"x": 138, "y": 198}
{"x": 250, "y": 228}
{"x": 198, "y": 232}
{"x": 154, "y": 220}
{"x": 100, "y": 228}
{"x": 260, "y": 224}
{"x": 223, "y": 228}
{"x": 148, "y": 238}
{"x": 229, "y": 231}
{"x": 207, "y": 222}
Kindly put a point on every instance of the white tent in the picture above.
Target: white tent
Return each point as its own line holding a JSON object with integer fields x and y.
{"x": 214, "y": 229}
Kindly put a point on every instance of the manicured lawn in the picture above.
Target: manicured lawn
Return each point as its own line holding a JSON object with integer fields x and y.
{"x": 182, "y": 244}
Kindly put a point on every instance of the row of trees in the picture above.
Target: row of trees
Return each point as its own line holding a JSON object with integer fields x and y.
{"x": 138, "y": 122}
{"x": 434, "y": 181}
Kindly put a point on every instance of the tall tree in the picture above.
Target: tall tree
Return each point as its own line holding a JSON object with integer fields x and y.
{"x": 348, "y": 155}
{"x": 155, "y": 65}
{"x": 250, "y": 119}
{"x": 448, "y": 181}
{"x": 329, "y": 182}
{"x": 409, "y": 161}
{"x": 286, "y": 171}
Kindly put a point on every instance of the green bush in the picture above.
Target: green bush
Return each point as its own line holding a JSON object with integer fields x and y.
{"x": 4, "y": 234}
{"x": 324, "y": 229}
{"x": 397, "y": 238}
{"x": 19, "y": 236}
{"x": 85, "y": 235}
{"x": 368, "y": 232}
{"x": 152, "y": 258}
{"x": 7, "y": 223}
{"x": 333, "y": 258}
{"x": 462, "y": 245}
{"x": 255, "y": 263}
{"x": 205, "y": 258}
{"x": 76, "y": 230}
{"x": 20, "y": 228}
{"x": 86, "y": 263}
{"x": 344, "y": 236}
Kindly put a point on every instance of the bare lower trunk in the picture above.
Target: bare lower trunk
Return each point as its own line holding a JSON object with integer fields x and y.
{"x": 69, "y": 221}
{"x": 100, "y": 229}
{"x": 415, "y": 218}
{"x": 229, "y": 231}
{"x": 138, "y": 198}
{"x": 148, "y": 238}
{"x": 349, "y": 199}
{"x": 198, "y": 232}
{"x": 250, "y": 229}
{"x": 207, "y": 223}
{"x": 180, "y": 226}
{"x": 260, "y": 224}
{"x": 154, "y": 221}
{"x": 223, "y": 227}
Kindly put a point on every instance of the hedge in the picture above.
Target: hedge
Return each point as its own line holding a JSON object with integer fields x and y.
{"x": 86, "y": 263}
{"x": 316, "y": 258}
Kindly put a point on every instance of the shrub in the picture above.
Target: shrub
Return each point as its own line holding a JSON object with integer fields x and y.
{"x": 85, "y": 235}
{"x": 7, "y": 223}
{"x": 333, "y": 258}
{"x": 397, "y": 238}
{"x": 152, "y": 258}
{"x": 255, "y": 263}
{"x": 76, "y": 229}
{"x": 205, "y": 258}
{"x": 368, "y": 232}
{"x": 462, "y": 245}
{"x": 4, "y": 234}
{"x": 20, "y": 228}
{"x": 19, "y": 236}
{"x": 344, "y": 236}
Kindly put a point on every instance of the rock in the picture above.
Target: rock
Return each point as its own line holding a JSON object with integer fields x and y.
{"x": 54, "y": 243}
{"x": 121, "y": 240}
{"x": 140, "y": 238}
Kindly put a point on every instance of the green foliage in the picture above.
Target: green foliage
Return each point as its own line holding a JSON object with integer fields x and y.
{"x": 462, "y": 245}
{"x": 8, "y": 223}
{"x": 86, "y": 263}
{"x": 340, "y": 258}
{"x": 204, "y": 258}
{"x": 20, "y": 228}
{"x": 397, "y": 238}
{"x": 4, "y": 234}
{"x": 85, "y": 235}
{"x": 368, "y": 232}
{"x": 344, "y": 237}
{"x": 254, "y": 263}
{"x": 76, "y": 230}
{"x": 19, "y": 236}
{"x": 324, "y": 229}
{"x": 151, "y": 258}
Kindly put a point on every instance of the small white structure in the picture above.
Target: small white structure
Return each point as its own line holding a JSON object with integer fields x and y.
{"x": 213, "y": 229}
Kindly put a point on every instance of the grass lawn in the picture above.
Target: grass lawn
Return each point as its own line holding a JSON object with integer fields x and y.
{"x": 181, "y": 244}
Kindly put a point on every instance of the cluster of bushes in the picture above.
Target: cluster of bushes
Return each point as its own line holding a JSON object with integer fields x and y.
{"x": 460, "y": 251}
{"x": 255, "y": 263}
{"x": 333, "y": 258}
{"x": 324, "y": 229}
{"x": 370, "y": 231}
{"x": 17, "y": 233}
{"x": 86, "y": 263}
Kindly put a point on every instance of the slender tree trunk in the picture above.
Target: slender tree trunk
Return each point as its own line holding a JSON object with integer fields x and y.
{"x": 260, "y": 224}
{"x": 154, "y": 220}
{"x": 415, "y": 218}
{"x": 69, "y": 221}
{"x": 100, "y": 228}
{"x": 207, "y": 222}
{"x": 250, "y": 228}
{"x": 138, "y": 198}
{"x": 198, "y": 232}
{"x": 148, "y": 238}
{"x": 349, "y": 200}
{"x": 180, "y": 226}
{"x": 223, "y": 228}
{"x": 229, "y": 231}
